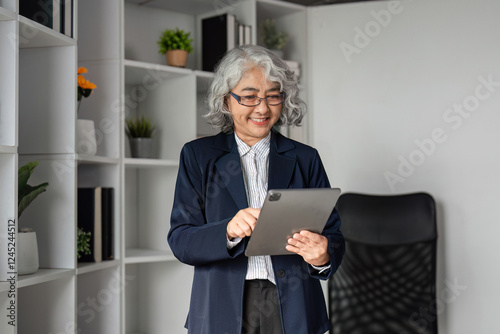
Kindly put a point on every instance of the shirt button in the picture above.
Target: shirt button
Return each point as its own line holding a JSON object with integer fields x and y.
{"x": 281, "y": 273}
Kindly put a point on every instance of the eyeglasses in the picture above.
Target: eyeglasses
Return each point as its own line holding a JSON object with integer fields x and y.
{"x": 252, "y": 100}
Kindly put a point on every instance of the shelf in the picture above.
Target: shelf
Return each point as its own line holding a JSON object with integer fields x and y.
{"x": 6, "y": 14}
{"x": 44, "y": 275}
{"x": 36, "y": 35}
{"x": 8, "y": 149}
{"x": 84, "y": 268}
{"x": 204, "y": 74}
{"x": 149, "y": 163}
{"x": 148, "y": 74}
{"x": 96, "y": 160}
{"x": 277, "y": 9}
{"x": 193, "y": 7}
{"x": 137, "y": 255}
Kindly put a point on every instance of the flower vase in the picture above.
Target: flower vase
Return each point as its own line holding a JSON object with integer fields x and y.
{"x": 27, "y": 252}
{"x": 85, "y": 137}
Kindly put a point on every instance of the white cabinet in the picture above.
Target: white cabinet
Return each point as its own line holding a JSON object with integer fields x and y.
{"x": 144, "y": 289}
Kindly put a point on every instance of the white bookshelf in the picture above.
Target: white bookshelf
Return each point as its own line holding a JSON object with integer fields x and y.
{"x": 144, "y": 289}
{"x": 44, "y": 275}
{"x": 137, "y": 255}
{"x": 88, "y": 267}
{"x": 8, "y": 151}
{"x": 6, "y": 14}
{"x": 96, "y": 160}
{"x": 150, "y": 163}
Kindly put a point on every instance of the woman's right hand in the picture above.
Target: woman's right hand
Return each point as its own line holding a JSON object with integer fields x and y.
{"x": 243, "y": 223}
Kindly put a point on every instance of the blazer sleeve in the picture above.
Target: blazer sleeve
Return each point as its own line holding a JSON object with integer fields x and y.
{"x": 192, "y": 239}
{"x": 336, "y": 243}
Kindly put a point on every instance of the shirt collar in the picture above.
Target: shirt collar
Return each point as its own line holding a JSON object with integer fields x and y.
{"x": 261, "y": 148}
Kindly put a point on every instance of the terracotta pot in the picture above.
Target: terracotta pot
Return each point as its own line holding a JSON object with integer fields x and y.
{"x": 177, "y": 58}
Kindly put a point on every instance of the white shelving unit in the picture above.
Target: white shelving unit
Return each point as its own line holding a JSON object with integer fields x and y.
{"x": 144, "y": 289}
{"x": 8, "y": 153}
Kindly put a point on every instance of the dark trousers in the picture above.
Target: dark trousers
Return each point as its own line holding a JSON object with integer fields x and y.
{"x": 261, "y": 313}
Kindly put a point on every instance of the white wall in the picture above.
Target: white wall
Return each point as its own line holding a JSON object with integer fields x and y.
{"x": 407, "y": 81}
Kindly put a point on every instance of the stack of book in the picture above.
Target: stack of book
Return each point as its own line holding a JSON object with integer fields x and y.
{"x": 294, "y": 67}
{"x": 220, "y": 34}
{"x": 95, "y": 215}
{"x": 55, "y": 14}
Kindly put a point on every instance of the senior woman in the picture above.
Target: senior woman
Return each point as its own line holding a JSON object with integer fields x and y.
{"x": 221, "y": 186}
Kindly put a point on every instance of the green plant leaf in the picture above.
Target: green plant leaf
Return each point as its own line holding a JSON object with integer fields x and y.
{"x": 175, "y": 40}
{"x": 140, "y": 127}
{"x": 29, "y": 194}
{"x": 24, "y": 174}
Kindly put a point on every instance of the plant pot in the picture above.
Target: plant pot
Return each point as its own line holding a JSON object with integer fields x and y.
{"x": 85, "y": 137}
{"x": 140, "y": 147}
{"x": 177, "y": 58}
{"x": 27, "y": 252}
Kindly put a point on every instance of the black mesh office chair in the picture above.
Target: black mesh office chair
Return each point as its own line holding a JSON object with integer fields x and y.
{"x": 386, "y": 282}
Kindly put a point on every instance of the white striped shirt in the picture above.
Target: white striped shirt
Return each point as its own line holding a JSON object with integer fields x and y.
{"x": 255, "y": 164}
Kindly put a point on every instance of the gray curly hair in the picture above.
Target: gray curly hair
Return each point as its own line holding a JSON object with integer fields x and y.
{"x": 228, "y": 74}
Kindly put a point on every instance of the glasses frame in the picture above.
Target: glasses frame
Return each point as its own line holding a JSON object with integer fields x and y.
{"x": 238, "y": 98}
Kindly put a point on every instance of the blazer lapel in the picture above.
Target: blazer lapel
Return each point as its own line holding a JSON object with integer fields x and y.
{"x": 280, "y": 166}
{"x": 229, "y": 168}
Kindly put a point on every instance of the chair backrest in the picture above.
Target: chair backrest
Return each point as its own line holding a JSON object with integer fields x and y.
{"x": 386, "y": 282}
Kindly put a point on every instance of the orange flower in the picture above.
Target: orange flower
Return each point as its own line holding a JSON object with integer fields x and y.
{"x": 85, "y": 84}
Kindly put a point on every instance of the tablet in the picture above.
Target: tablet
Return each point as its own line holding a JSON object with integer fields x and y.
{"x": 287, "y": 211}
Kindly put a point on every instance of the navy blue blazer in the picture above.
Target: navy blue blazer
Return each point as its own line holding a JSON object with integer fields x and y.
{"x": 210, "y": 190}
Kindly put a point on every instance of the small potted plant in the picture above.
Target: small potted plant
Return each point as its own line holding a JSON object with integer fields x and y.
{"x": 83, "y": 242}
{"x": 27, "y": 243}
{"x": 140, "y": 132}
{"x": 176, "y": 44}
{"x": 273, "y": 39}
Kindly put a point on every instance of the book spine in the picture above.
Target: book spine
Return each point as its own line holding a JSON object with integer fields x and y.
{"x": 67, "y": 17}
{"x": 241, "y": 34}
{"x": 248, "y": 34}
{"x": 231, "y": 28}
{"x": 56, "y": 15}
{"x": 107, "y": 223}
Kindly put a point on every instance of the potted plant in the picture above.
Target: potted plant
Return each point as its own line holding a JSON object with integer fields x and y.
{"x": 176, "y": 44}
{"x": 85, "y": 130}
{"x": 27, "y": 243}
{"x": 83, "y": 242}
{"x": 140, "y": 131}
{"x": 273, "y": 39}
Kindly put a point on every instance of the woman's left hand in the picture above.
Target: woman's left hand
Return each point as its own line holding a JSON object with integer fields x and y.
{"x": 311, "y": 246}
